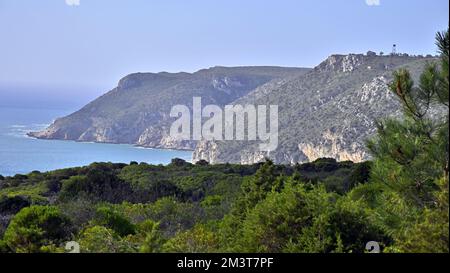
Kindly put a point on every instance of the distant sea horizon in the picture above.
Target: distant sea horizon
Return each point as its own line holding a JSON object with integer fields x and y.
{"x": 20, "y": 154}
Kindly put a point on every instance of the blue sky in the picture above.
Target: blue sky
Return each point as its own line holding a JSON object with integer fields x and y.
{"x": 95, "y": 43}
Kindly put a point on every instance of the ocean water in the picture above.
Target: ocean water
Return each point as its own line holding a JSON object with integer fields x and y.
{"x": 20, "y": 154}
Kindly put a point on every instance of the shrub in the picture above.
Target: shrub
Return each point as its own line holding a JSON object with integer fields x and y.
{"x": 99, "y": 239}
{"x": 35, "y": 227}
{"x": 106, "y": 216}
{"x": 13, "y": 204}
{"x": 196, "y": 240}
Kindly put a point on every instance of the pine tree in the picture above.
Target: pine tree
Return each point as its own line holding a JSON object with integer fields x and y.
{"x": 411, "y": 155}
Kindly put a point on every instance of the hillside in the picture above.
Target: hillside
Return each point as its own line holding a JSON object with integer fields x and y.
{"x": 328, "y": 112}
{"x": 137, "y": 110}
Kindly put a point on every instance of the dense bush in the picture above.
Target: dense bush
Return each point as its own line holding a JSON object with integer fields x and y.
{"x": 107, "y": 217}
{"x": 36, "y": 227}
{"x": 324, "y": 206}
{"x": 13, "y": 204}
{"x": 147, "y": 208}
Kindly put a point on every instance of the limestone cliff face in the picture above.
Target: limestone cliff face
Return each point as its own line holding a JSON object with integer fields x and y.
{"x": 137, "y": 110}
{"x": 334, "y": 146}
{"x": 344, "y": 144}
{"x": 328, "y": 112}
{"x": 342, "y": 63}
{"x": 206, "y": 150}
{"x": 159, "y": 137}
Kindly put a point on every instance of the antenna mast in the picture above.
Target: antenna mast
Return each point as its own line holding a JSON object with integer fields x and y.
{"x": 394, "y": 50}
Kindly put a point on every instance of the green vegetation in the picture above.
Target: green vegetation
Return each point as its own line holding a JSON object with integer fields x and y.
{"x": 183, "y": 207}
{"x": 411, "y": 159}
{"x": 400, "y": 199}
{"x": 327, "y": 111}
{"x": 36, "y": 228}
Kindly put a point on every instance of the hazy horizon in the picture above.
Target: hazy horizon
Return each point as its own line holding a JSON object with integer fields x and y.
{"x": 57, "y": 46}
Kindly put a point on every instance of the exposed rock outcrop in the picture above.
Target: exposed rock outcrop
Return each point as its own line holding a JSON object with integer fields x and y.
{"x": 137, "y": 110}
{"x": 328, "y": 112}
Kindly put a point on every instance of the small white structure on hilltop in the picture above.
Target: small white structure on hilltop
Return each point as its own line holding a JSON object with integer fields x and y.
{"x": 394, "y": 50}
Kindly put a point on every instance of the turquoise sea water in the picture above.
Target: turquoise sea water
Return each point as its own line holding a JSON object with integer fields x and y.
{"x": 21, "y": 154}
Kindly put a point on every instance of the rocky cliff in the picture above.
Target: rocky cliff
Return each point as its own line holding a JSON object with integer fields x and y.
{"x": 137, "y": 110}
{"x": 327, "y": 112}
